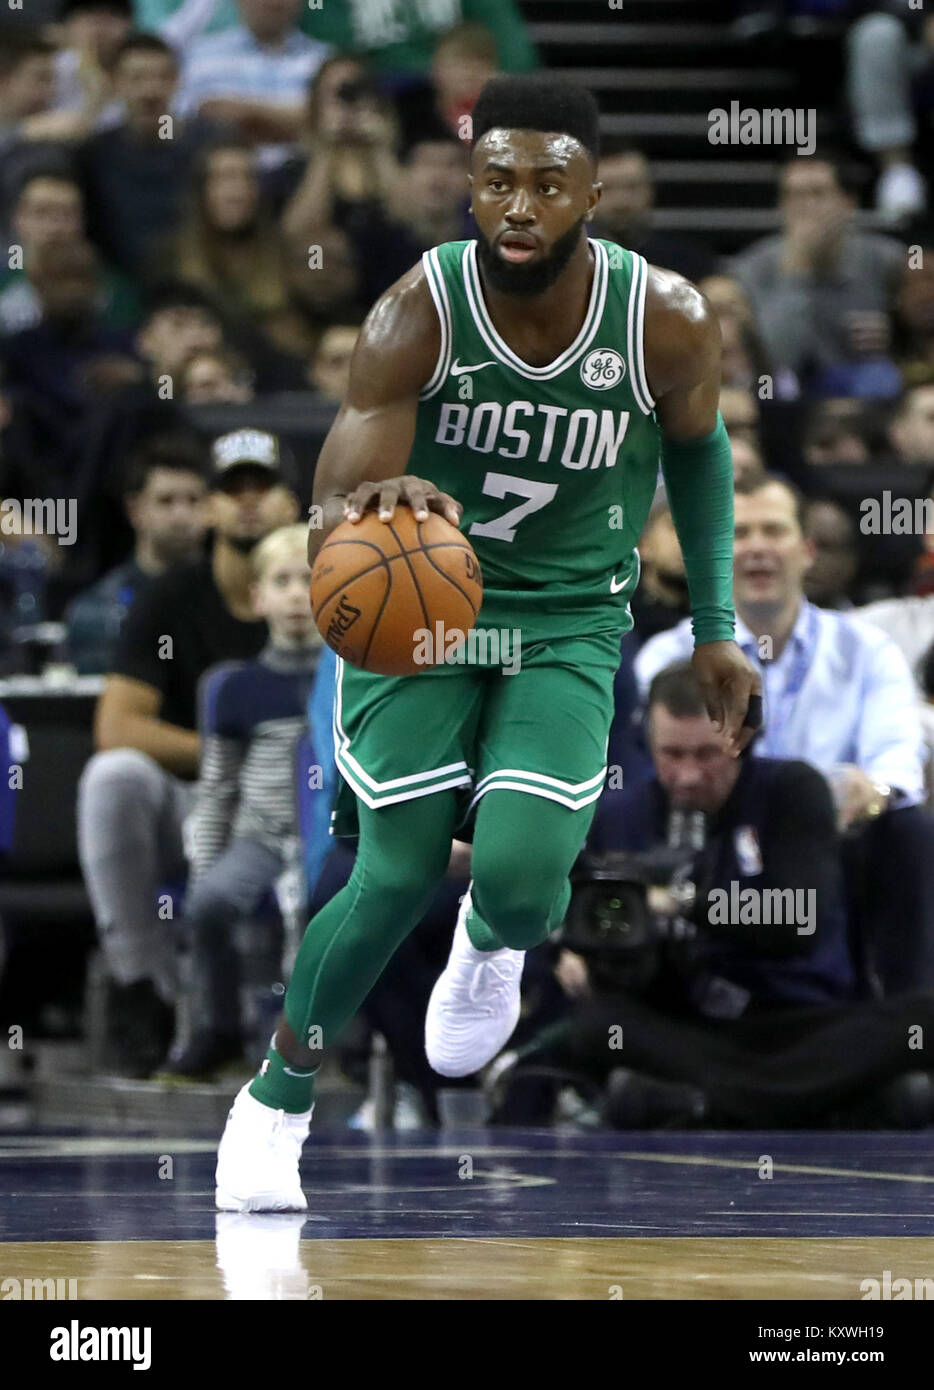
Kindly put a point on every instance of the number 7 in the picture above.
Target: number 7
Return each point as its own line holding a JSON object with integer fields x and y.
{"x": 503, "y": 528}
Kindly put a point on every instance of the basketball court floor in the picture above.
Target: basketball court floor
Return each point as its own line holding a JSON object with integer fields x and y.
{"x": 482, "y": 1214}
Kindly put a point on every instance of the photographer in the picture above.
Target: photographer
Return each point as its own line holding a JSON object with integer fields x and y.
{"x": 708, "y": 948}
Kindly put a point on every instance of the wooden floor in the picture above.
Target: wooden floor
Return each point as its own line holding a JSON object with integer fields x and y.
{"x": 484, "y": 1214}
{"x": 271, "y": 1261}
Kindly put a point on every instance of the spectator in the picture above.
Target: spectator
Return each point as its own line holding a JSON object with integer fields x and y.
{"x": 911, "y": 431}
{"x": 745, "y": 363}
{"x": 882, "y": 61}
{"x": 741, "y": 414}
{"x": 843, "y": 700}
{"x": 923, "y": 577}
{"x": 329, "y": 371}
{"x": 91, "y": 32}
{"x": 909, "y": 622}
{"x": 349, "y": 166}
{"x": 747, "y": 459}
{"x": 178, "y": 320}
{"x": 325, "y": 287}
{"x": 736, "y": 1017}
{"x": 821, "y": 288}
{"x": 216, "y": 375}
{"x": 840, "y": 430}
{"x": 72, "y": 352}
{"x": 27, "y": 94}
{"x": 914, "y": 326}
{"x": 831, "y": 534}
{"x": 851, "y": 459}
{"x": 401, "y": 41}
{"x": 254, "y": 76}
{"x": 133, "y": 173}
{"x": 624, "y": 214}
{"x": 228, "y": 245}
{"x": 137, "y": 790}
{"x": 164, "y": 500}
{"x": 661, "y": 599}
{"x": 428, "y": 207}
{"x": 48, "y": 211}
{"x": 464, "y": 59}
{"x": 245, "y": 824}
{"x": 27, "y": 131}
{"x": 33, "y": 449}
{"x": 30, "y": 556}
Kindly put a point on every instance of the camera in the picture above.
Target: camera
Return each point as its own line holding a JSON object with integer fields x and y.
{"x": 628, "y": 906}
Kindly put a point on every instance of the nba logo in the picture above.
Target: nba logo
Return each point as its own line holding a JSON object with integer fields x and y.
{"x": 602, "y": 369}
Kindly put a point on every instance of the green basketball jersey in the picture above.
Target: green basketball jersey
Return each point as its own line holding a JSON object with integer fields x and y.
{"x": 555, "y": 466}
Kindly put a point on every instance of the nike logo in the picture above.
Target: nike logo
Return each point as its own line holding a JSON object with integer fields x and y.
{"x": 617, "y": 585}
{"x": 458, "y": 370}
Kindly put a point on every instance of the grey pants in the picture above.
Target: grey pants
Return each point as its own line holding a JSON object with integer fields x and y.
{"x": 227, "y": 893}
{"x": 130, "y": 816}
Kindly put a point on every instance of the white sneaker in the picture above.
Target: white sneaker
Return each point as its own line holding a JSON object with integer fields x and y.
{"x": 258, "y": 1157}
{"x": 474, "y": 1006}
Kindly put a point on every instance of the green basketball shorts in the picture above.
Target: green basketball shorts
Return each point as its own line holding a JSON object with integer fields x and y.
{"x": 541, "y": 729}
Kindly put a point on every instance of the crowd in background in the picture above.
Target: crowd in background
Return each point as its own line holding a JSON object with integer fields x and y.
{"x": 200, "y": 204}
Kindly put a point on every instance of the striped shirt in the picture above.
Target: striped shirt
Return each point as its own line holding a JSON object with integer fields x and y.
{"x": 252, "y": 716}
{"x": 235, "y": 64}
{"x": 839, "y": 693}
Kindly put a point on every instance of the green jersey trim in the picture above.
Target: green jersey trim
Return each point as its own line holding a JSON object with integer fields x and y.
{"x": 635, "y": 334}
{"x": 374, "y": 793}
{"x": 439, "y": 293}
{"x": 573, "y": 795}
{"x": 501, "y": 349}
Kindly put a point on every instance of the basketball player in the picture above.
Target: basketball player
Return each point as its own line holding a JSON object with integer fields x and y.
{"x": 524, "y": 385}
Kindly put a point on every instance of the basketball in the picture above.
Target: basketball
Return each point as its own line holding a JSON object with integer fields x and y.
{"x": 378, "y": 587}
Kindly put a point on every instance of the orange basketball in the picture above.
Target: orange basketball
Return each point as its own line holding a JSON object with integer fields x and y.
{"x": 379, "y": 588}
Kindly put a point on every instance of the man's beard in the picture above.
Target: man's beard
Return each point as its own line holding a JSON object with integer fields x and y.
{"x": 527, "y": 279}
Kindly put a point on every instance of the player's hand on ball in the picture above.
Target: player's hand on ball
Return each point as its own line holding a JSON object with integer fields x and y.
{"x": 732, "y": 691}
{"x": 423, "y": 497}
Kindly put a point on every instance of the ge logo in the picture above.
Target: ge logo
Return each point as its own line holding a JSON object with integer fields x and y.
{"x": 602, "y": 369}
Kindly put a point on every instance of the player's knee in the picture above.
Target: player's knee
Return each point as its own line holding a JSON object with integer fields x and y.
{"x": 516, "y": 903}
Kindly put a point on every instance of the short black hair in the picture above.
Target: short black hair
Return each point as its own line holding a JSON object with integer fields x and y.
{"x": 428, "y": 132}
{"x": 531, "y": 101}
{"x": 178, "y": 294}
{"x": 677, "y": 689}
{"x": 136, "y": 42}
{"x": 121, "y": 7}
{"x": 178, "y": 450}
{"x": 17, "y": 46}
{"x": 851, "y": 175}
{"x": 621, "y": 146}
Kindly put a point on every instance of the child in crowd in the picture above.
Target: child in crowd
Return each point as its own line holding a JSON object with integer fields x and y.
{"x": 245, "y": 827}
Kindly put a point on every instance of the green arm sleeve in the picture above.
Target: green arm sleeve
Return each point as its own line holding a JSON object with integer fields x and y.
{"x": 698, "y": 477}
